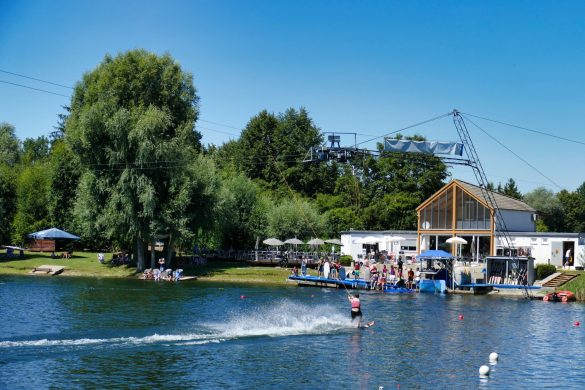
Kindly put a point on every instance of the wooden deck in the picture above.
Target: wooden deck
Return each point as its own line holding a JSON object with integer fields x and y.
{"x": 47, "y": 270}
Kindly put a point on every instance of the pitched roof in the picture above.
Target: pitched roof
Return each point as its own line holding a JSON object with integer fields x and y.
{"x": 502, "y": 201}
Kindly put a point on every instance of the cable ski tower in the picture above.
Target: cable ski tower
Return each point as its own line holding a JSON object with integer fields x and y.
{"x": 336, "y": 152}
{"x": 501, "y": 230}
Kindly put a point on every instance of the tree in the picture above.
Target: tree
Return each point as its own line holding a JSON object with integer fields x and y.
{"x": 574, "y": 210}
{"x": 132, "y": 126}
{"x": 511, "y": 190}
{"x": 31, "y": 205}
{"x": 549, "y": 208}
{"x": 271, "y": 150}
{"x": 64, "y": 173}
{"x": 7, "y": 201}
{"x": 35, "y": 150}
{"x": 241, "y": 214}
{"x": 9, "y": 145}
{"x": 395, "y": 184}
{"x": 295, "y": 218}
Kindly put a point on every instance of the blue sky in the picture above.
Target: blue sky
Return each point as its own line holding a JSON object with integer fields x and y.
{"x": 369, "y": 67}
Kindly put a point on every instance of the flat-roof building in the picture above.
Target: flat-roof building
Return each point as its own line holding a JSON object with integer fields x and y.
{"x": 461, "y": 209}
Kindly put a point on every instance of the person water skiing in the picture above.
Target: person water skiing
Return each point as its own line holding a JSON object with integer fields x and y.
{"x": 356, "y": 310}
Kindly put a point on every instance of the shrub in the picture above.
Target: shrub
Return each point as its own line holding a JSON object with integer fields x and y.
{"x": 544, "y": 270}
{"x": 345, "y": 260}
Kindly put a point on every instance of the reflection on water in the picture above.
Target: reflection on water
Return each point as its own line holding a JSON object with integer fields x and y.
{"x": 82, "y": 333}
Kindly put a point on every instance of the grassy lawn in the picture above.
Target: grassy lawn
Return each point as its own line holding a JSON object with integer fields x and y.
{"x": 86, "y": 264}
{"x": 80, "y": 264}
{"x": 577, "y": 286}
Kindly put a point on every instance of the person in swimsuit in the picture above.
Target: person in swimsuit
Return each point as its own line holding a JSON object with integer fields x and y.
{"x": 356, "y": 310}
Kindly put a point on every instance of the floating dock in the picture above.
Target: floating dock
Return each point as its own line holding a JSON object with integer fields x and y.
{"x": 47, "y": 270}
{"x": 318, "y": 281}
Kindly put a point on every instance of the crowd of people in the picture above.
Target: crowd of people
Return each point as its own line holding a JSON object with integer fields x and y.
{"x": 380, "y": 275}
{"x": 162, "y": 273}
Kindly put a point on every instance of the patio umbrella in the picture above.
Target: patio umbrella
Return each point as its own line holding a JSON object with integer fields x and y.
{"x": 316, "y": 241}
{"x": 53, "y": 234}
{"x": 458, "y": 241}
{"x": 369, "y": 240}
{"x": 393, "y": 239}
{"x": 334, "y": 241}
{"x": 273, "y": 242}
{"x": 294, "y": 241}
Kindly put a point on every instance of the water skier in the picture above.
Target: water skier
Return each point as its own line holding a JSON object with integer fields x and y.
{"x": 356, "y": 310}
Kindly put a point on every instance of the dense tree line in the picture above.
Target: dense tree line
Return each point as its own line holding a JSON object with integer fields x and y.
{"x": 125, "y": 167}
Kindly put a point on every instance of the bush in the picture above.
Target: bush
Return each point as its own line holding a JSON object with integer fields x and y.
{"x": 544, "y": 270}
{"x": 345, "y": 260}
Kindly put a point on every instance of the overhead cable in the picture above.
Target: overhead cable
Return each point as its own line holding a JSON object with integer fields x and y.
{"x": 33, "y": 78}
{"x": 527, "y": 129}
{"x": 514, "y": 153}
{"x": 36, "y": 89}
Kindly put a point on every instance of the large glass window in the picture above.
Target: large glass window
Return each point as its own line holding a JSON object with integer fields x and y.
{"x": 470, "y": 213}
{"x": 438, "y": 215}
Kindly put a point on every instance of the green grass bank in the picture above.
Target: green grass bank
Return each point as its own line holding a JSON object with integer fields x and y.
{"x": 85, "y": 264}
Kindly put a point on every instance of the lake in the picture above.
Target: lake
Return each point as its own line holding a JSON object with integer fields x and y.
{"x": 58, "y": 332}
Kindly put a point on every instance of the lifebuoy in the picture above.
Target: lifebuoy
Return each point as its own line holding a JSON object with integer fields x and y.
{"x": 545, "y": 298}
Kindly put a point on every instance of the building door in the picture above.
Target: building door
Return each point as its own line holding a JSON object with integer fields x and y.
{"x": 569, "y": 245}
{"x": 556, "y": 253}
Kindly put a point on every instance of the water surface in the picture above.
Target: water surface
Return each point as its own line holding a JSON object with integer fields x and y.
{"x": 95, "y": 333}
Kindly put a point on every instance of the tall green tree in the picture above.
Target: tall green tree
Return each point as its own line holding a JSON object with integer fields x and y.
{"x": 64, "y": 172}
{"x": 574, "y": 210}
{"x": 396, "y": 183}
{"x": 9, "y": 145}
{"x": 132, "y": 126}
{"x": 271, "y": 150}
{"x": 549, "y": 208}
{"x": 295, "y": 218}
{"x": 31, "y": 205}
{"x": 7, "y": 201}
{"x": 241, "y": 214}
{"x": 9, "y": 157}
{"x": 35, "y": 150}
{"x": 511, "y": 189}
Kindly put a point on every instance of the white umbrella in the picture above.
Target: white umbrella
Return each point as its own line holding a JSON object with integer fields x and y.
{"x": 316, "y": 241}
{"x": 456, "y": 240}
{"x": 423, "y": 243}
{"x": 273, "y": 242}
{"x": 334, "y": 241}
{"x": 392, "y": 240}
{"x": 370, "y": 240}
{"x": 294, "y": 241}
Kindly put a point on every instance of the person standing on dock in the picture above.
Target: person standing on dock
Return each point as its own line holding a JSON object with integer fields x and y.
{"x": 304, "y": 267}
{"x": 356, "y": 309}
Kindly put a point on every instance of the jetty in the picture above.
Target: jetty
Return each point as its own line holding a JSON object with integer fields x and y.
{"x": 319, "y": 281}
{"x": 48, "y": 270}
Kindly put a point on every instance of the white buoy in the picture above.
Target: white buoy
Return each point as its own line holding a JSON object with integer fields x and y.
{"x": 484, "y": 371}
{"x": 494, "y": 357}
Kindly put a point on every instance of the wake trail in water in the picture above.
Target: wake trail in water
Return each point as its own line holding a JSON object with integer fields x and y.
{"x": 278, "y": 319}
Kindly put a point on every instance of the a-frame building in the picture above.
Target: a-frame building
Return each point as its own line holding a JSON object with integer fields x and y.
{"x": 460, "y": 209}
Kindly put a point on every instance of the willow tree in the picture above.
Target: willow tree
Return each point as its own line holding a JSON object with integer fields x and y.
{"x": 132, "y": 126}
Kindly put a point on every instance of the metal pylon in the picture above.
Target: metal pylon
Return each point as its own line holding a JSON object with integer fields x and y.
{"x": 501, "y": 229}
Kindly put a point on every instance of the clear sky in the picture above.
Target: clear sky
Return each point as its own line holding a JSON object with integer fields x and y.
{"x": 369, "y": 67}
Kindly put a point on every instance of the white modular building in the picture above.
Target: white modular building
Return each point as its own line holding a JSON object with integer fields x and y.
{"x": 459, "y": 209}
